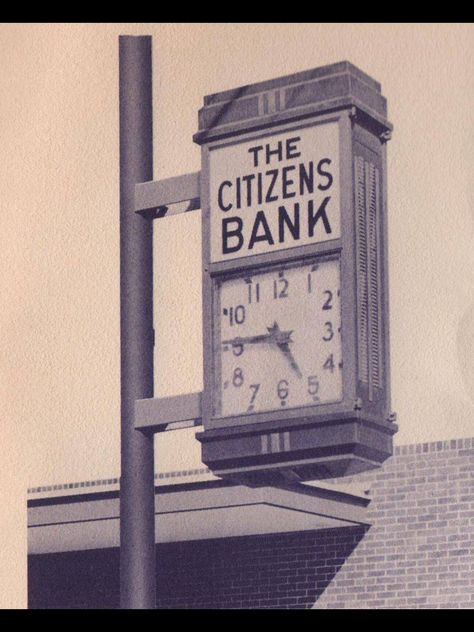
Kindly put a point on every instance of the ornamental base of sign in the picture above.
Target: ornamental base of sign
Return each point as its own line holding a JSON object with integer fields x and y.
{"x": 309, "y": 452}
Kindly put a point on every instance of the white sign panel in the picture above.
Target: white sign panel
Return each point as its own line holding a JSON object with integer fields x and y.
{"x": 275, "y": 192}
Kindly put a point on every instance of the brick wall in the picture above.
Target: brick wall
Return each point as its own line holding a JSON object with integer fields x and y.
{"x": 419, "y": 552}
{"x": 277, "y": 571}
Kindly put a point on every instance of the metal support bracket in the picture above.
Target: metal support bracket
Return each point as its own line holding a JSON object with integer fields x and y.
{"x": 153, "y": 199}
{"x": 159, "y": 414}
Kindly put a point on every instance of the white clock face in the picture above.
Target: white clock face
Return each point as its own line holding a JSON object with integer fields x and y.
{"x": 278, "y": 338}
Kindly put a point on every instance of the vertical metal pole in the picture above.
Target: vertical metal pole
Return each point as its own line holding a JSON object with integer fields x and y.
{"x": 137, "y": 509}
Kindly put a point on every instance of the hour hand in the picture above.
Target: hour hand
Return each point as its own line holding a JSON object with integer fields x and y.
{"x": 281, "y": 339}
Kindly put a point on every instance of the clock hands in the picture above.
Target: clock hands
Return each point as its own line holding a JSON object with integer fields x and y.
{"x": 283, "y": 346}
{"x": 240, "y": 340}
{"x": 285, "y": 349}
{"x": 275, "y": 336}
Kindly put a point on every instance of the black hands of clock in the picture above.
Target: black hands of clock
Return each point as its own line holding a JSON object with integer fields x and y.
{"x": 284, "y": 347}
{"x": 275, "y": 336}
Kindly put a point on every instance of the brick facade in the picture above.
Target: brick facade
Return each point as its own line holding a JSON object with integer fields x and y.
{"x": 418, "y": 553}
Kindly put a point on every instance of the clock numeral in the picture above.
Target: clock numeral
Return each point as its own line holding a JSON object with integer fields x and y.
{"x": 328, "y": 303}
{"x": 237, "y": 349}
{"x": 238, "y": 377}
{"x": 280, "y": 288}
{"x": 313, "y": 384}
{"x": 314, "y": 267}
{"x": 254, "y": 292}
{"x": 236, "y": 315}
{"x": 254, "y": 388}
{"x": 329, "y": 331}
{"x": 329, "y": 364}
{"x": 282, "y": 390}
{"x": 313, "y": 387}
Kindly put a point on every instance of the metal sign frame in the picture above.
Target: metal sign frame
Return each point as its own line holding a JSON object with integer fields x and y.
{"x": 343, "y": 247}
{"x": 322, "y": 439}
{"x": 354, "y": 141}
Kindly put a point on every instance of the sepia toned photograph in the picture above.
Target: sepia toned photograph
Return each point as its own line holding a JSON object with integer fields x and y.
{"x": 237, "y": 319}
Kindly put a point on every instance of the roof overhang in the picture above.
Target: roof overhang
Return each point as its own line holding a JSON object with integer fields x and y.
{"x": 193, "y": 510}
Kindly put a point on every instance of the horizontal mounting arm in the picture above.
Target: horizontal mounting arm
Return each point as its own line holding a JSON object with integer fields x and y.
{"x": 153, "y": 198}
{"x": 158, "y": 414}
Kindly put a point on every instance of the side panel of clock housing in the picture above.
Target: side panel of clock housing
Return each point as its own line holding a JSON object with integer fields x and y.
{"x": 343, "y": 247}
{"x": 371, "y": 265}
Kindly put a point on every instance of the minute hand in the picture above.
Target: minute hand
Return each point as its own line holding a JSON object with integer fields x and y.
{"x": 241, "y": 340}
{"x": 284, "y": 347}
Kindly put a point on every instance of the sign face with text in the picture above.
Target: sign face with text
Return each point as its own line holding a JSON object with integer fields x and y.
{"x": 275, "y": 192}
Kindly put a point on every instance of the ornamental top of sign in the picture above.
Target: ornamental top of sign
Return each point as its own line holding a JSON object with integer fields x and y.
{"x": 316, "y": 91}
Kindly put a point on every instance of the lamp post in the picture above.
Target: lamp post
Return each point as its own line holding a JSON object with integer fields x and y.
{"x": 137, "y": 500}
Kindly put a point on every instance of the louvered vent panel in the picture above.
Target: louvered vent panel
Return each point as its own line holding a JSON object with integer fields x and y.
{"x": 362, "y": 270}
{"x": 368, "y": 274}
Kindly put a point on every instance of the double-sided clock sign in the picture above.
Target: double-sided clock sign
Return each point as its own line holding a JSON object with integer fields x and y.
{"x": 295, "y": 296}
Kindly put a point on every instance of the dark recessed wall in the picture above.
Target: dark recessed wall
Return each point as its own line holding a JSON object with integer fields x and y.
{"x": 276, "y": 571}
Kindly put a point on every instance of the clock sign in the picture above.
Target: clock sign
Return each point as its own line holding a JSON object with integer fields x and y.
{"x": 295, "y": 288}
{"x": 279, "y": 336}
